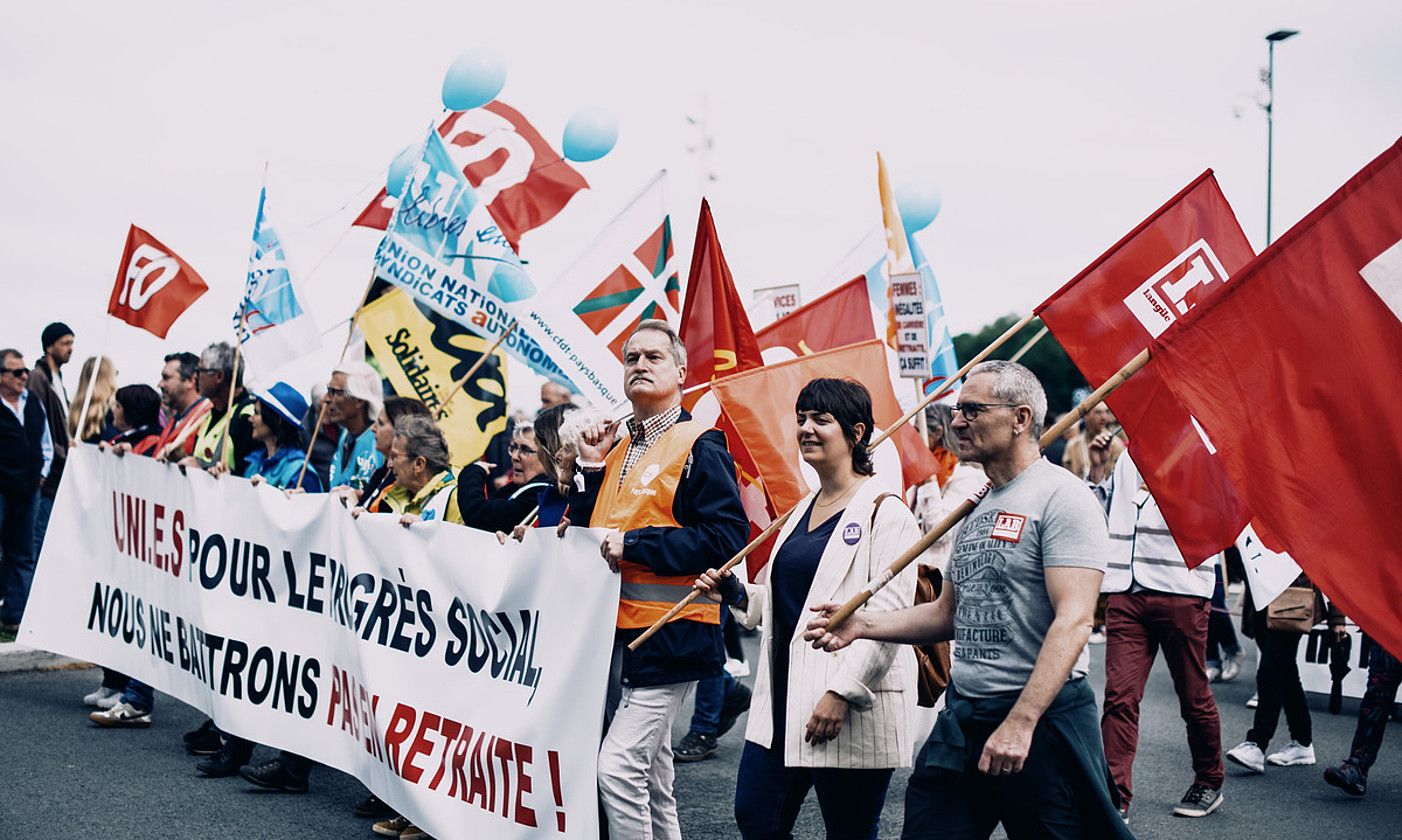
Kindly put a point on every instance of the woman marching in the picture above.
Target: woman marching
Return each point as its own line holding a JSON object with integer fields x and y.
{"x": 836, "y": 724}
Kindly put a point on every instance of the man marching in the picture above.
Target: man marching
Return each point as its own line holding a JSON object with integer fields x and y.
{"x": 669, "y": 498}
{"x": 1019, "y": 740}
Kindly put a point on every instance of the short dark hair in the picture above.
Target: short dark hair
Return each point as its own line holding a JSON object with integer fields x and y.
{"x": 140, "y": 403}
{"x": 849, "y": 403}
{"x": 547, "y": 435}
{"x": 397, "y": 407}
{"x": 285, "y": 432}
{"x": 8, "y": 352}
{"x": 189, "y": 363}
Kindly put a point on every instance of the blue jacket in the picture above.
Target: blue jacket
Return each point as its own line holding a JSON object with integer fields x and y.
{"x": 281, "y": 469}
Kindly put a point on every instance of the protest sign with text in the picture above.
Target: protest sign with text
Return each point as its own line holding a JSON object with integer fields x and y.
{"x": 462, "y": 681}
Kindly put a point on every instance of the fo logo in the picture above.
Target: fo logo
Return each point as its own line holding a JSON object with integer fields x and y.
{"x": 1177, "y": 287}
{"x": 149, "y": 271}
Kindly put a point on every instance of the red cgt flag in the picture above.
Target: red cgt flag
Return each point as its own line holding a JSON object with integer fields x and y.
{"x": 1178, "y": 258}
{"x": 1293, "y": 371}
{"x": 153, "y": 285}
{"x": 523, "y": 181}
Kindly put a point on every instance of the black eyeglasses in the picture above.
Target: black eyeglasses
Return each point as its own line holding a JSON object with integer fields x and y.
{"x": 19, "y": 371}
{"x": 971, "y": 410}
{"x": 335, "y": 392}
{"x": 517, "y": 449}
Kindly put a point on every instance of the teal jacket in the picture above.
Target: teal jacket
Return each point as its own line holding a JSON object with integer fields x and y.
{"x": 282, "y": 468}
{"x": 364, "y": 460}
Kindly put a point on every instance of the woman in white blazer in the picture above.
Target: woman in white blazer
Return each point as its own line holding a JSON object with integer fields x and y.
{"x": 837, "y": 723}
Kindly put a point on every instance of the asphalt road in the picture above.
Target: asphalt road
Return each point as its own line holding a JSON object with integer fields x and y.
{"x": 63, "y": 777}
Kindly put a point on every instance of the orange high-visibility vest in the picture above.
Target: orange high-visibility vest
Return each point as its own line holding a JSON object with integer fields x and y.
{"x": 644, "y": 499}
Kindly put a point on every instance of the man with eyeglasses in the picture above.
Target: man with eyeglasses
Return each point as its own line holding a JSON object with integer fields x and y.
{"x": 1019, "y": 740}
{"x": 26, "y": 454}
{"x": 509, "y": 506}
{"x": 225, "y": 435}
{"x": 354, "y": 398}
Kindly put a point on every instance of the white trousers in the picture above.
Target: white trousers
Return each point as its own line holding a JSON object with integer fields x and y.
{"x": 635, "y": 764}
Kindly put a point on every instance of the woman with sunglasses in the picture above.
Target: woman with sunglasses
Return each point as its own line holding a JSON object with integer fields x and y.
{"x": 838, "y": 724}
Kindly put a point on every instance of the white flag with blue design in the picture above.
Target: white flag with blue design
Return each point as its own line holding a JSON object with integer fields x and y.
{"x": 273, "y": 326}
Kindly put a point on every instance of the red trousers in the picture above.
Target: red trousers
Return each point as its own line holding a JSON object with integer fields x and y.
{"x": 1137, "y": 626}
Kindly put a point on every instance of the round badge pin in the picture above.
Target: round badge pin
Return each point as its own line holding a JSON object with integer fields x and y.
{"x": 852, "y": 533}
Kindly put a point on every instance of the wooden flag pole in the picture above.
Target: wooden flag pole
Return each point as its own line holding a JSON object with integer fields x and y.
{"x": 1028, "y": 346}
{"x": 457, "y": 386}
{"x": 779, "y": 523}
{"x": 948, "y": 523}
{"x": 321, "y": 412}
{"x": 959, "y": 374}
{"x": 730, "y": 564}
{"x": 233, "y": 387}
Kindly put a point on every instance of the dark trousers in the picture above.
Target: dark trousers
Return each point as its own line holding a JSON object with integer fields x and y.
{"x": 1138, "y": 625}
{"x": 1384, "y": 677}
{"x": 1045, "y": 800}
{"x": 768, "y": 796}
{"x": 1278, "y": 686}
{"x": 17, "y": 543}
{"x": 1221, "y": 636}
{"x": 710, "y": 698}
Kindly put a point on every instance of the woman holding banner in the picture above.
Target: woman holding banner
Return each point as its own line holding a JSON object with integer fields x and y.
{"x": 277, "y": 425}
{"x": 422, "y": 467}
{"x": 381, "y": 484}
{"x": 837, "y": 724}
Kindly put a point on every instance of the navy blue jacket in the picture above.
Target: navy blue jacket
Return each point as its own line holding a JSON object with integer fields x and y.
{"x": 713, "y": 529}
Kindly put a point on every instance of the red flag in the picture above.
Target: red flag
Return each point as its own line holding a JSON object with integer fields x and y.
{"x": 837, "y": 319}
{"x": 154, "y": 285}
{"x": 1293, "y": 371}
{"x": 523, "y": 181}
{"x": 1176, "y": 259}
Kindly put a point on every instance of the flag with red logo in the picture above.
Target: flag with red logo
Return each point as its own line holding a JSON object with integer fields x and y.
{"x": 513, "y": 170}
{"x": 628, "y": 274}
{"x": 1177, "y": 259}
{"x": 839, "y": 318}
{"x": 154, "y": 285}
{"x": 1293, "y": 373}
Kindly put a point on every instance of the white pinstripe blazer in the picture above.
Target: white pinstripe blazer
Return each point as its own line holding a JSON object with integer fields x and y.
{"x": 876, "y": 678}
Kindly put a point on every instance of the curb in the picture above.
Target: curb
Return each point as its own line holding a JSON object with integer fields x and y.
{"x": 15, "y": 657}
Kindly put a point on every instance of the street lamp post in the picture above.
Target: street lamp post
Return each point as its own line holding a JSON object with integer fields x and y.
{"x": 1271, "y": 40}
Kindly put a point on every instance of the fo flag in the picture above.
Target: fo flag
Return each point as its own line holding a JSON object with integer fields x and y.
{"x": 513, "y": 170}
{"x": 1293, "y": 371}
{"x": 1175, "y": 260}
{"x": 153, "y": 285}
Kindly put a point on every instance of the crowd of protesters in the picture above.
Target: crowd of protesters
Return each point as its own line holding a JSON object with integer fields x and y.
{"x": 1049, "y": 560}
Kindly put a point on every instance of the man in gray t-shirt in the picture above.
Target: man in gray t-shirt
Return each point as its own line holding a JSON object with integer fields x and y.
{"x": 1019, "y": 740}
{"x": 1041, "y": 519}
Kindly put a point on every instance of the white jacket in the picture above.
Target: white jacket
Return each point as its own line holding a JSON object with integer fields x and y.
{"x": 1143, "y": 550}
{"x": 876, "y": 678}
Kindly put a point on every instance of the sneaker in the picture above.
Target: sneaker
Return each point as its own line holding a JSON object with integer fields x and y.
{"x": 1293, "y": 754}
{"x": 1254, "y": 701}
{"x": 1348, "y": 778}
{"x": 695, "y": 747}
{"x": 1199, "y": 801}
{"x": 1230, "y": 669}
{"x": 413, "y": 832}
{"x": 1213, "y": 673}
{"x": 374, "y": 806}
{"x": 1248, "y": 755}
{"x": 122, "y": 714}
{"x": 274, "y": 775}
{"x": 1097, "y": 636}
{"x": 204, "y": 741}
{"x": 391, "y": 827}
{"x": 736, "y": 703}
{"x": 9, "y": 632}
{"x": 221, "y": 765}
{"x": 1124, "y": 814}
{"x": 103, "y": 693}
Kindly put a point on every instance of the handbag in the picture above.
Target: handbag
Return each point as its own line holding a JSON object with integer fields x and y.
{"x": 931, "y": 660}
{"x": 1296, "y": 610}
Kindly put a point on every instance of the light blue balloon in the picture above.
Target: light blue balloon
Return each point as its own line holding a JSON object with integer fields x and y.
{"x": 473, "y": 80}
{"x": 400, "y": 168}
{"x": 918, "y": 203}
{"x": 589, "y": 135}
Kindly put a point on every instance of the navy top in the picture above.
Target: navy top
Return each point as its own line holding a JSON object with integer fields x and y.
{"x": 790, "y": 578}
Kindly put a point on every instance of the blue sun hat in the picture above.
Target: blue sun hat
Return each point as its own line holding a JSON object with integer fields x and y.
{"x": 285, "y": 400}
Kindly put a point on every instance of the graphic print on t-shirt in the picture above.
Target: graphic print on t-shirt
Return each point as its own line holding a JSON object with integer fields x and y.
{"x": 982, "y": 623}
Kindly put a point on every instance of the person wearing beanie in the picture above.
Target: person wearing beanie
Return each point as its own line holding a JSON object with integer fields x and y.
{"x": 46, "y": 384}
{"x": 353, "y": 400}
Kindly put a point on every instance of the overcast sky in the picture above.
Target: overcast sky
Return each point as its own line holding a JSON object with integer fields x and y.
{"x": 1050, "y": 128}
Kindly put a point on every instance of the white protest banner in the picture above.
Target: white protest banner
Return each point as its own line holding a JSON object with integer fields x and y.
{"x": 1268, "y": 573}
{"x": 1313, "y": 660}
{"x": 912, "y": 339}
{"x": 462, "y": 681}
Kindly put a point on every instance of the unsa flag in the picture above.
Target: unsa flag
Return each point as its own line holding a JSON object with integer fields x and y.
{"x": 154, "y": 285}
{"x": 1178, "y": 258}
{"x": 511, "y": 167}
{"x": 1293, "y": 372}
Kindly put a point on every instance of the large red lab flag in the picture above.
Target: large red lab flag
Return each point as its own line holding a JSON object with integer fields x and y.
{"x": 523, "y": 181}
{"x": 1294, "y": 371}
{"x": 1177, "y": 259}
{"x": 154, "y": 285}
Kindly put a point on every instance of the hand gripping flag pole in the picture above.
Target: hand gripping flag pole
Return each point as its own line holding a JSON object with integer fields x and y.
{"x": 779, "y": 522}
